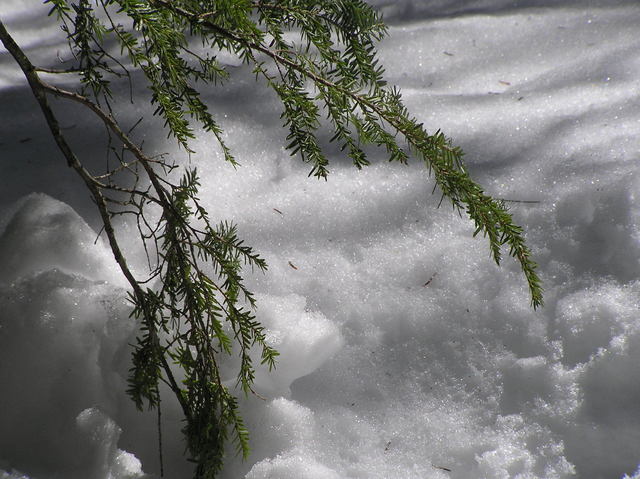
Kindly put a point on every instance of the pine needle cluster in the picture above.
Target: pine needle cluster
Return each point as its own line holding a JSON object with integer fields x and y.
{"x": 319, "y": 57}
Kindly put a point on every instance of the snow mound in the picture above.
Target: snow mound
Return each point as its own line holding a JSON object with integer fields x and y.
{"x": 71, "y": 334}
{"x": 44, "y": 234}
{"x": 107, "y": 461}
{"x": 305, "y": 340}
{"x": 291, "y": 466}
{"x": 289, "y": 429}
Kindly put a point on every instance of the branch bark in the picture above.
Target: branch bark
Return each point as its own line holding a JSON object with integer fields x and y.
{"x": 40, "y": 90}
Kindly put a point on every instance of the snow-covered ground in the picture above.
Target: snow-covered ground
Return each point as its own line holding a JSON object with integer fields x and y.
{"x": 381, "y": 374}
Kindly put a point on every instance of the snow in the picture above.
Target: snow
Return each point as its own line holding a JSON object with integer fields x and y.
{"x": 404, "y": 351}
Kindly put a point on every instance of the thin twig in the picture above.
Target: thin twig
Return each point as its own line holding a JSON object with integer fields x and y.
{"x": 518, "y": 201}
{"x": 57, "y": 71}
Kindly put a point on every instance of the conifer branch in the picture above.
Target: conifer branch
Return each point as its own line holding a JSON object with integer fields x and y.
{"x": 489, "y": 215}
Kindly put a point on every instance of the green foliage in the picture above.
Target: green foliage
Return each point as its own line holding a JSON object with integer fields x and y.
{"x": 319, "y": 57}
{"x": 201, "y": 287}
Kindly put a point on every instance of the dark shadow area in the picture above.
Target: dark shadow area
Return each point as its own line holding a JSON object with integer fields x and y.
{"x": 408, "y": 11}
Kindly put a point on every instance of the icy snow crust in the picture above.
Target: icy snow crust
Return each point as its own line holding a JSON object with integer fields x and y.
{"x": 405, "y": 351}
